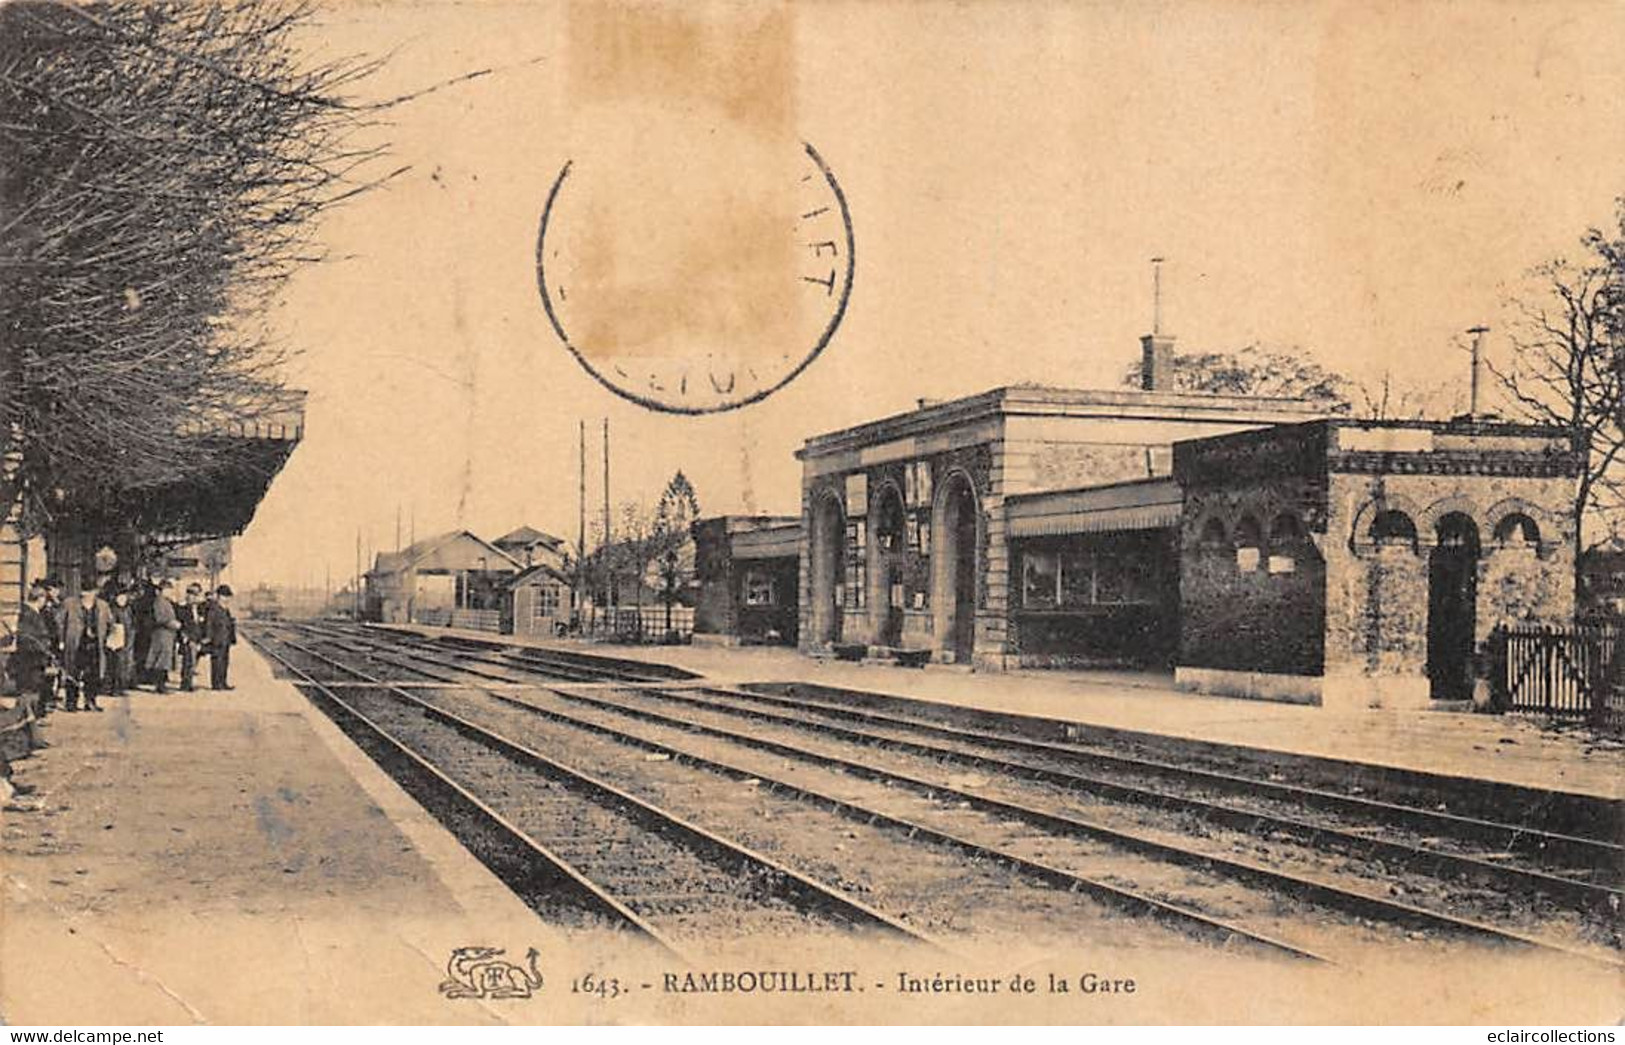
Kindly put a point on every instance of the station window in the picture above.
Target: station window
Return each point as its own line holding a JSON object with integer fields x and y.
{"x": 917, "y": 483}
{"x": 857, "y": 568}
{"x": 1075, "y": 578}
{"x": 919, "y": 533}
{"x": 547, "y": 601}
{"x": 1040, "y": 580}
{"x": 1249, "y": 544}
{"x": 759, "y": 589}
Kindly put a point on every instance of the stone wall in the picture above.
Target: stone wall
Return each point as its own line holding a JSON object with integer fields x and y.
{"x": 1378, "y": 599}
{"x": 1246, "y": 604}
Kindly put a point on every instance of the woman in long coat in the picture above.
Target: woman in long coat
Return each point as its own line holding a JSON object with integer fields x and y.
{"x": 161, "y": 651}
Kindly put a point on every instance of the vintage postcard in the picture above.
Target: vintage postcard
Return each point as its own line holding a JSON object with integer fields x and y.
{"x": 609, "y": 512}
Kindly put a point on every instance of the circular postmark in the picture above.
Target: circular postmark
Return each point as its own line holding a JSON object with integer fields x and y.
{"x": 697, "y": 285}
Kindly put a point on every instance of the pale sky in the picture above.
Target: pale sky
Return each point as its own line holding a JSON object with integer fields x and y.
{"x": 1360, "y": 179}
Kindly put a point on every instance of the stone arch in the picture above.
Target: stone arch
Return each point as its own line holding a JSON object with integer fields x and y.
{"x": 1213, "y": 536}
{"x": 826, "y": 567}
{"x": 1360, "y": 533}
{"x": 887, "y": 540}
{"x": 1427, "y": 522}
{"x": 1392, "y": 526}
{"x": 1537, "y": 525}
{"x": 958, "y": 535}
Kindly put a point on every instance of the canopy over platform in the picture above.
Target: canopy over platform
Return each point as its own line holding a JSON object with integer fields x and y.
{"x": 1150, "y": 504}
{"x": 219, "y": 500}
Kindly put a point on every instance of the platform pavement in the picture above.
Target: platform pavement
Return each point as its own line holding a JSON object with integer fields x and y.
{"x": 1504, "y": 748}
{"x": 232, "y": 858}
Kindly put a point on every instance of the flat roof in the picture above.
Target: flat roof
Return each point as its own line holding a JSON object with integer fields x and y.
{"x": 1047, "y": 400}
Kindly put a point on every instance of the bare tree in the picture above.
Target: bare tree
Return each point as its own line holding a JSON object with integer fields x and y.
{"x": 161, "y": 164}
{"x": 1567, "y": 368}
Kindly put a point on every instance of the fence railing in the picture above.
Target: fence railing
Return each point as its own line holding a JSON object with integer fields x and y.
{"x": 638, "y": 624}
{"x": 477, "y": 620}
{"x": 1573, "y": 670}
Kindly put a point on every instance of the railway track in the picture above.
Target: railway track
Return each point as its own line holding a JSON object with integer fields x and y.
{"x": 561, "y": 833}
{"x": 715, "y": 714}
{"x": 1579, "y": 872}
{"x": 912, "y": 840}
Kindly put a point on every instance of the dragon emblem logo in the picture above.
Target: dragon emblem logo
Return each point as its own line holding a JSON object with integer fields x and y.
{"x": 482, "y": 972}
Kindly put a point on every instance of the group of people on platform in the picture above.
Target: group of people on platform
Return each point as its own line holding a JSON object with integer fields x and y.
{"x": 109, "y": 639}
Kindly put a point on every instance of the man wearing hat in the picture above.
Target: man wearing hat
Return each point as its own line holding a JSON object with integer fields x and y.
{"x": 165, "y": 625}
{"x": 85, "y": 626}
{"x": 51, "y": 611}
{"x": 220, "y": 632}
{"x": 190, "y": 637}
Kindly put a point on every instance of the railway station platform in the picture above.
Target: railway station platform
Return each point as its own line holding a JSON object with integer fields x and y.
{"x": 1503, "y": 749}
{"x": 207, "y": 857}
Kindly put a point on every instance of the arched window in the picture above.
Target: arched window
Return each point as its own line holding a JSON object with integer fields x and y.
{"x": 1214, "y": 537}
{"x": 1457, "y": 530}
{"x": 1517, "y": 530}
{"x": 1393, "y": 528}
{"x": 1249, "y": 544}
{"x": 1286, "y": 537}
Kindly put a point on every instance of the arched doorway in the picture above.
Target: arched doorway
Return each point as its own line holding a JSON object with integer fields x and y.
{"x": 1452, "y": 607}
{"x": 827, "y": 565}
{"x": 886, "y": 568}
{"x": 956, "y": 568}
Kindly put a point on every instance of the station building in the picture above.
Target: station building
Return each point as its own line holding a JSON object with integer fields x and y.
{"x": 1251, "y": 545}
{"x": 453, "y": 578}
{"x": 748, "y": 572}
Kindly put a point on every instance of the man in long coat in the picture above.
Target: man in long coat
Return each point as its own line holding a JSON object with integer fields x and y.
{"x": 220, "y": 632}
{"x": 165, "y": 625}
{"x": 190, "y": 637}
{"x": 33, "y": 653}
{"x": 85, "y": 624}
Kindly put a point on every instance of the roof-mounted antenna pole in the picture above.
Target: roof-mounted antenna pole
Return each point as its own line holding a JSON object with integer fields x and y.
{"x": 1478, "y": 366}
{"x": 1156, "y": 295}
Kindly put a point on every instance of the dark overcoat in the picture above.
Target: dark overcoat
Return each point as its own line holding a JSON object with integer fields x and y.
{"x": 219, "y": 626}
{"x": 80, "y": 626}
{"x": 161, "y": 648}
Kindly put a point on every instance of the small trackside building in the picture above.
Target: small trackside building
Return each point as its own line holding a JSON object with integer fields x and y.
{"x": 927, "y": 530}
{"x": 1351, "y": 563}
{"x": 541, "y": 602}
{"x": 748, "y": 572}
{"x": 453, "y": 578}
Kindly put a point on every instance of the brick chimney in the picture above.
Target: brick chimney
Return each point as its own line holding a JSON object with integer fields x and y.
{"x": 1156, "y": 348}
{"x": 1157, "y": 362}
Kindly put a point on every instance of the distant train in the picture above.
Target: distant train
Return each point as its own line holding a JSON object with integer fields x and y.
{"x": 264, "y": 603}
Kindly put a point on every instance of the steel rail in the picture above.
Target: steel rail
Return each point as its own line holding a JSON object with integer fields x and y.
{"x": 1324, "y": 893}
{"x": 1579, "y": 892}
{"x": 1355, "y": 901}
{"x": 1205, "y": 925}
{"x": 705, "y": 843}
{"x": 1594, "y": 854}
{"x": 399, "y": 756}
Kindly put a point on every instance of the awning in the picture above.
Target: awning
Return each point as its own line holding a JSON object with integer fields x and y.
{"x": 1148, "y": 505}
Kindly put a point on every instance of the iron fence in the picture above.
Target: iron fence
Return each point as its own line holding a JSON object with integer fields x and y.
{"x": 1575, "y": 671}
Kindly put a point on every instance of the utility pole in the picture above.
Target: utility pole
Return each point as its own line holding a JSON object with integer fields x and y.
{"x": 1478, "y": 333}
{"x": 358, "y": 573}
{"x": 397, "y": 526}
{"x": 581, "y": 521}
{"x": 1156, "y": 295}
{"x": 607, "y": 532}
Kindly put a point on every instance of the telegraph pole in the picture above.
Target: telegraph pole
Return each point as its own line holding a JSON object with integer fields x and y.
{"x": 607, "y": 531}
{"x": 581, "y": 519}
{"x": 358, "y": 574}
